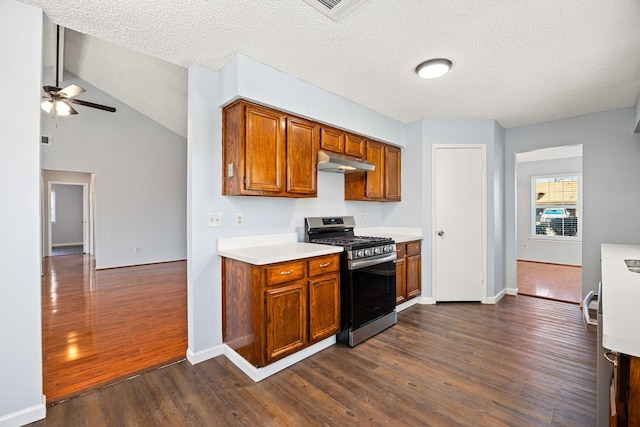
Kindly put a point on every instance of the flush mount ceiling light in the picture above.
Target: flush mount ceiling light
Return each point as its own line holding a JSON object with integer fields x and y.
{"x": 434, "y": 68}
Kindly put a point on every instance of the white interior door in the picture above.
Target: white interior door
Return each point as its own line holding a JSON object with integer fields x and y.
{"x": 459, "y": 223}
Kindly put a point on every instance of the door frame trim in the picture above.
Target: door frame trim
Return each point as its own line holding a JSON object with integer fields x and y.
{"x": 483, "y": 148}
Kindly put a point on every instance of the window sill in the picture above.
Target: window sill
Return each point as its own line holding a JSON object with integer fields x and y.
{"x": 555, "y": 239}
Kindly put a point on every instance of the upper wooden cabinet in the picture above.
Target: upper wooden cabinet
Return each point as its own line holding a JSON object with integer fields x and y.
{"x": 383, "y": 183}
{"x": 340, "y": 141}
{"x": 267, "y": 152}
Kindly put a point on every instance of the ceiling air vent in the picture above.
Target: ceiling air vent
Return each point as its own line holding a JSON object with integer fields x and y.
{"x": 335, "y": 9}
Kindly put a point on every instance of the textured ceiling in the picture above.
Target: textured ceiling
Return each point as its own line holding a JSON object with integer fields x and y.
{"x": 516, "y": 61}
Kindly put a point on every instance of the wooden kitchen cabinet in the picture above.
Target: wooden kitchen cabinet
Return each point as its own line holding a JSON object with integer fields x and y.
{"x": 383, "y": 183}
{"x": 408, "y": 271}
{"x": 340, "y": 141}
{"x": 271, "y": 311}
{"x": 267, "y": 152}
{"x": 625, "y": 392}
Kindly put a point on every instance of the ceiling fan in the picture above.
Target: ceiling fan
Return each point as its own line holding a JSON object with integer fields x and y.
{"x": 58, "y": 100}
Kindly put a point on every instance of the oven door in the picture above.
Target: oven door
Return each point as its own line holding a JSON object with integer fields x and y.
{"x": 373, "y": 290}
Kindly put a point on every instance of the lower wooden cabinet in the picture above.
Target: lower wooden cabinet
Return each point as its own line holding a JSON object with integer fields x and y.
{"x": 408, "y": 271}
{"x": 274, "y": 310}
{"x": 625, "y": 392}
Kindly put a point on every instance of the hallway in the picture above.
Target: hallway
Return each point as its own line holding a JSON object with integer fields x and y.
{"x": 99, "y": 327}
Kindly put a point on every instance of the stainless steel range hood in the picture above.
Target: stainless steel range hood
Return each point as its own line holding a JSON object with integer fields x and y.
{"x": 339, "y": 163}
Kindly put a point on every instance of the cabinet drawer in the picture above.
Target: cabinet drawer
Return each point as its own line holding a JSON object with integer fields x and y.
{"x": 413, "y": 248}
{"x": 325, "y": 264}
{"x": 401, "y": 250}
{"x": 282, "y": 273}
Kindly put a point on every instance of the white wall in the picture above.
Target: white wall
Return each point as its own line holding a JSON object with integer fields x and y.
{"x": 21, "y": 399}
{"x": 141, "y": 174}
{"x": 559, "y": 251}
{"x": 610, "y": 171}
{"x": 68, "y": 226}
{"x": 262, "y": 215}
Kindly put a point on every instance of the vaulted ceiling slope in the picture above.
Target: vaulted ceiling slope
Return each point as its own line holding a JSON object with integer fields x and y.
{"x": 516, "y": 61}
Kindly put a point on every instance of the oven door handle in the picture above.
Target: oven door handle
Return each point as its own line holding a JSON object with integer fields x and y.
{"x": 358, "y": 264}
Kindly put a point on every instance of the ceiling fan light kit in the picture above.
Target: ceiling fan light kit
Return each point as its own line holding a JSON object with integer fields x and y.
{"x": 434, "y": 68}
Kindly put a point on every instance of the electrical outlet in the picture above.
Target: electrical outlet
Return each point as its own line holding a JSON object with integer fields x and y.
{"x": 239, "y": 218}
{"x": 136, "y": 249}
{"x": 362, "y": 216}
{"x": 525, "y": 245}
{"x": 215, "y": 219}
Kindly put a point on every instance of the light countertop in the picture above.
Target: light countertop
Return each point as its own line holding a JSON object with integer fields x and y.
{"x": 261, "y": 250}
{"x": 399, "y": 234}
{"x": 620, "y": 299}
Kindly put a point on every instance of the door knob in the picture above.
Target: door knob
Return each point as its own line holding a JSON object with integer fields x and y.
{"x": 440, "y": 233}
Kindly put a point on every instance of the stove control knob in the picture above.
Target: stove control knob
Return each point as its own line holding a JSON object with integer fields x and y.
{"x": 385, "y": 249}
{"x": 389, "y": 248}
{"x": 367, "y": 252}
{"x": 377, "y": 250}
{"x": 360, "y": 253}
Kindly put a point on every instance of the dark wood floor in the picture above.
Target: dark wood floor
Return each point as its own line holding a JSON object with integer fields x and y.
{"x": 552, "y": 281}
{"x": 103, "y": 326}
{"x": 522, "y": 362}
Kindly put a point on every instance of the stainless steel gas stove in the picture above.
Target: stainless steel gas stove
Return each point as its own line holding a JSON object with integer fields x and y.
{"x": 367, "y": 280}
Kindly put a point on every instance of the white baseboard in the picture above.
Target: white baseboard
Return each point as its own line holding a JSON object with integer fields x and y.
{"x": 426, "y": 300}
{"x": 26, "y": 415}
{"x": 512, "y": 291}
{"x": 498, "y": 297}
{"x": 60, "y": 245}
{"x": 258, "y": 374}
{"x": 406, "y": 304}
{"x": 201, "y": 356}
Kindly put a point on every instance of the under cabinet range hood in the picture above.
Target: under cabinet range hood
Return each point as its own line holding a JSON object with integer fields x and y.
{"x": 339, "y": 163}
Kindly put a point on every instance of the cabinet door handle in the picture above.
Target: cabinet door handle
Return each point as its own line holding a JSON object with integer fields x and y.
{"x": 284, "y": 273}
{"x": 612, "y": 357}
{"x": 327, "y": 264}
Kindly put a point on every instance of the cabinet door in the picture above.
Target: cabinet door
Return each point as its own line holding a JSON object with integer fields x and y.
{"x": 324, "y": 306}
{"x": 401, "y": 281}
{"x": 414, "y": 280}
{"x": 332, "y": 139}
{"x": 302, "y": 160}
{"x": 375, "y": 179}
{"x": 286, "y": 319}
{"x": 264, "y": 150}
{"x": 392, "y": 164}
{"x": 355, "y": 146}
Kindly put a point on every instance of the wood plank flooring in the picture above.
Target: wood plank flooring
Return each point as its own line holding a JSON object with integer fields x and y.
{"x": 102, "y": 326}
{"x": 522, "y": 362}
{"x": 553, "y": 281}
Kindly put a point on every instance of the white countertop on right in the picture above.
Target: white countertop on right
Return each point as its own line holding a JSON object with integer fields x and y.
{"x": 620, "y": 299}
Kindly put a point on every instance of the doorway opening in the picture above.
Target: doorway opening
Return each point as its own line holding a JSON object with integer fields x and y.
{"x": 68, "y": 213}
{"x": 548, "y": 223}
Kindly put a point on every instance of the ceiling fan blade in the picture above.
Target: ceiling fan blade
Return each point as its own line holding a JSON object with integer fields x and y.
{"x": 91, "y": 104}
{"x": 51, "y": 89}
{"x": 70, "y": 91}
{"x": 72, "y": 111}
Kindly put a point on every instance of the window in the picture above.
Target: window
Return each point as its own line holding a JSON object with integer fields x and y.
{"x": 556, "y": 205}
{"x": 53, "y": 206}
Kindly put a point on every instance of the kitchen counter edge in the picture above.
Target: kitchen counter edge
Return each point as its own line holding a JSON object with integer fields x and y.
{"x": 282, "y": 252}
